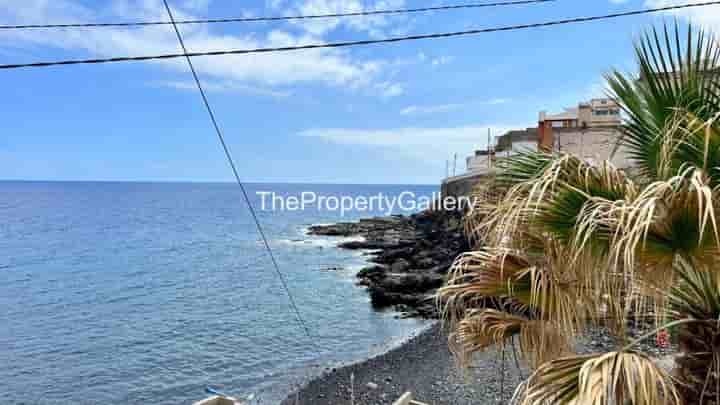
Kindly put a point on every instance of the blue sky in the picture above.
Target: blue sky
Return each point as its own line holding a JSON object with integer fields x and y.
{"x": 374, "y": 114}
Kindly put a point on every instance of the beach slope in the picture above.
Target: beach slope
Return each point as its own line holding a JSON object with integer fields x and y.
{"x": 423, "y": 365}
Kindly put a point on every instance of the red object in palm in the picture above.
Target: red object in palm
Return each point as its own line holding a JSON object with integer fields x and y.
{"x": 662, "y": 340}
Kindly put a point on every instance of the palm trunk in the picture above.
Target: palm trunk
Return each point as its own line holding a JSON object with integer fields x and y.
{"x": 697, "y": 366}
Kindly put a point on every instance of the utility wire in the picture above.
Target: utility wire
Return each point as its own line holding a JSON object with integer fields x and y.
{"x": 231, "y": 161}
{"x": 357, "y": 43}
{"x": 280, "y": 18}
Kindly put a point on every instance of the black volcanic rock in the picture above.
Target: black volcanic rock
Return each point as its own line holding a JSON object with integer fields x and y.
{"x": 412, "y": 254}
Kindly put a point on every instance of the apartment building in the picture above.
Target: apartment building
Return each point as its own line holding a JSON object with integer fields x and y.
{"x": 591, "y": 131}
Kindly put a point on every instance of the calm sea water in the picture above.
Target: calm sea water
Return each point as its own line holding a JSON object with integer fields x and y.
{"x": 133, "y": 292}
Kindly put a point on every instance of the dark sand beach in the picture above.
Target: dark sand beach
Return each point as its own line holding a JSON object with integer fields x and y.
{"x": 423, "y": 365}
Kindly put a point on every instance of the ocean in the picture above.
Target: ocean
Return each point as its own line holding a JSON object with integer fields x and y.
{"x": 136, "y": 293}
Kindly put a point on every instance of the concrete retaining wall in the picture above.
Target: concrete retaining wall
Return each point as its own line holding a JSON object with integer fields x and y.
{"x": 459, "y": 186}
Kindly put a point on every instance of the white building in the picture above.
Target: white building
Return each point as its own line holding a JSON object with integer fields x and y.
{"x": 509, "y": 144}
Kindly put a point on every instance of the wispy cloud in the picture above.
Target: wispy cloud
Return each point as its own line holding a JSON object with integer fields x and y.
{"x": 375, "y": 26}
{"x": 706, "y": 16}
{"x": 497, "y": 101}
{"x": 389, "y": 89}
{"x": 445, "y": 108}
{"x": 430, "y": 109}
{"x": 442, "y": 60}
{"x": 418, "y": 143}
{"x": 223, "y": 87}
{"x": 324, "y": 66}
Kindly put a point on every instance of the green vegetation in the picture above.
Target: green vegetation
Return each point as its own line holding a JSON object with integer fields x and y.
{"x": 568, "y": 245}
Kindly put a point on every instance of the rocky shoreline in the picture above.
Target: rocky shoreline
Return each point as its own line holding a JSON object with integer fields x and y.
{"x": 410, "y": 257}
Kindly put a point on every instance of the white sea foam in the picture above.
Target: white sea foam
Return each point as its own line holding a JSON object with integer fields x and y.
{"x": 321, "y": 242}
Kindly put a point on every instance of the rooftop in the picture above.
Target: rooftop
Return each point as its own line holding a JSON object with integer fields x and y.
{"x": 521, "y": 135}
{"x": 568, "y": 114}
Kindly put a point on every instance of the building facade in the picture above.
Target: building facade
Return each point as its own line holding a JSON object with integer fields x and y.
{"x": 509, "y": 144}
{"x": 591, "y": 131}
{"x": 481, "y": 162}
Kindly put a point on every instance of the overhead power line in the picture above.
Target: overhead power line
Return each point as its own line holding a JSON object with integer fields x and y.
{"x": 280, "y": 18}
{"x": 231, "y": 162}
{"x": 358, "y": 43}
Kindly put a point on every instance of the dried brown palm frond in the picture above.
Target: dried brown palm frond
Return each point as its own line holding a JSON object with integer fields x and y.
{"x": 540, "y": 283}
{"x": 600, "y": 379}
{"x": 546, "y": 290}
{"x": 568, "y": 193}
{"x": 669, "y": 218}
{"x": 610, "y": 190}
{"x": 484, "y": 197}
{"x": 476, "y": 276}
{"x": 540, "y": 341}
{"x": 554, "y": 382}
{"x": 685, "y": 133}
{"x": 520, "y": 168}
{"x": 481, "y": 329}
{"x": 564, "y": 290}
{"x": 514, "y": 212}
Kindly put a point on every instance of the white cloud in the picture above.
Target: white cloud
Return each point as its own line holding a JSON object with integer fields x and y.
{"x": 430, "y": 109}
{"x": 708, "y": 16}
{"x": 442, "y": 60}
{"x": 374, "y": 25}
{"x": 331, "y": 67}
{"x": 444, "y": 108}
{"x": 389, "y": 89}
{"x": 224, "y": 87}
{"x": 498, "y": 101}
{"x": 430, "y": 144}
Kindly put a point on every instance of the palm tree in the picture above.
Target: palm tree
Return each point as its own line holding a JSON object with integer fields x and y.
{"x": 568, "y": 245}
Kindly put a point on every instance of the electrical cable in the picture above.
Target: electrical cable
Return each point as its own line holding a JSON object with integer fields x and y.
{"x": 277, "y": 18}
{"x": 356, "y": 43}
{"x": 231, "y": 161}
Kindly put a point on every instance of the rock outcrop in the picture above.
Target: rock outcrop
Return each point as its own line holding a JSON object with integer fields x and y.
{"x": 411, "y": 256}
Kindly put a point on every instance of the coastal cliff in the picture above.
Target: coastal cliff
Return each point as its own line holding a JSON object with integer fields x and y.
{"x": 410, "y": 256}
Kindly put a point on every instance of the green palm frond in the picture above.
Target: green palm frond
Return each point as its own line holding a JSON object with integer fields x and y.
{"x": 677, "y": 72}
{"x": 557, "y": 201}
{"x": 514, "y": 214}
{"x": 566, "y": 243}
{"x": 696, "y": 296}
{"x": 522, "y": 167}
{"x": 669, "y": 218}
{"x": 696, "y": 293}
